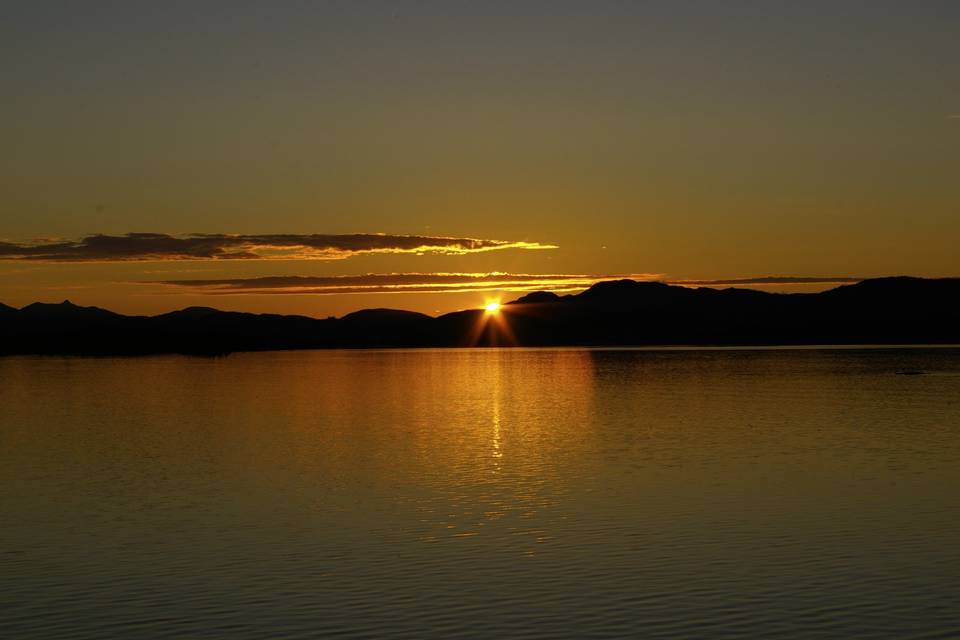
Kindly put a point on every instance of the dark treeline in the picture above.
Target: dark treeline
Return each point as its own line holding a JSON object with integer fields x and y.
{"x": 898, "y": 310}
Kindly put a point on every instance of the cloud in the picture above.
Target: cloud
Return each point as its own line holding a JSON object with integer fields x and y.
{"x": 452, "y": 283}
{"x": 162, "y": 247}
{"x": 766, "y": 280}
{"x": 397, "y": 283}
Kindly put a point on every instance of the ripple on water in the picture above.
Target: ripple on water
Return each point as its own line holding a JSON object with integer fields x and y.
{"x": 480, "y": 493}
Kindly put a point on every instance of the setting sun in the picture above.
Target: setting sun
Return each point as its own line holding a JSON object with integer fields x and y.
{"x": 606, "y": 318}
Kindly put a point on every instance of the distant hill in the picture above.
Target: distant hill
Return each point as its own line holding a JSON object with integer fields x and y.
{"x": 899, "y": 310}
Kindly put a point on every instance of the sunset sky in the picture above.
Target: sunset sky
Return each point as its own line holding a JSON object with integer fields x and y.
{"x": 322, "y": 157}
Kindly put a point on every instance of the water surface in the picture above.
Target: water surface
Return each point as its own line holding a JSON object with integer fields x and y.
{"x": 482, "y": 493}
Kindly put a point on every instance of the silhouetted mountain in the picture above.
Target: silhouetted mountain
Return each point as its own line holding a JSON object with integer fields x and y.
{"x": 623, "y": 312}
{"x": 537, "y": 297}
{"x": 383, "y": 328}
{"x": 192, "y": 312}
{"x": 42, "y": 311}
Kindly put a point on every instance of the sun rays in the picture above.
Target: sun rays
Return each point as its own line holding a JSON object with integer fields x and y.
{"x": 492, "y": 326}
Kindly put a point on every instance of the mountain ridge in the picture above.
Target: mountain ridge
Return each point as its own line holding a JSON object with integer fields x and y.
{"x": 892, "y": 310}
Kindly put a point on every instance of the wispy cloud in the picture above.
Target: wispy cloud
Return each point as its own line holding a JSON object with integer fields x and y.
{"x": 453, "y": 282}
{"x": 221, "y": 246}
{"x": 397, "y": 283}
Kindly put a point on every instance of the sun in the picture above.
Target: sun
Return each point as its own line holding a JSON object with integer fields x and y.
{"x": 492, "y": 307}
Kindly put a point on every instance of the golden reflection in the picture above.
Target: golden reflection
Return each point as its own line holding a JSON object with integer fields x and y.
{"x": 487, "y": 443}
{"x": 497, "y": 438}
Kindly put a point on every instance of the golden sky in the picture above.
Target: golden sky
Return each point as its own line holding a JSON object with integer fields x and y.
{"x": 551, "y": 144}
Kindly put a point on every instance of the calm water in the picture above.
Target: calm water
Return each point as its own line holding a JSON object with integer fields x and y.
{"x": 482, "y": 493}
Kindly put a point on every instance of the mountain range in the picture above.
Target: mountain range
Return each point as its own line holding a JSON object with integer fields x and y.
{"x": 897, "y": 310}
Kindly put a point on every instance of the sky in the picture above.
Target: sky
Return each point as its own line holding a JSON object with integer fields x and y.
{"x": 322, "y": 157}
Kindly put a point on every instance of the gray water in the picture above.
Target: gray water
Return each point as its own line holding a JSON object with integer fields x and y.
{"x": 482, "y": 493}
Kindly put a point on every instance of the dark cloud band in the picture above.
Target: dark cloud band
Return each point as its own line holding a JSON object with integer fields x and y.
{"x": 159, "y": 247}
{"x": 452, "y": 282}
{"x": 394, "y": 283}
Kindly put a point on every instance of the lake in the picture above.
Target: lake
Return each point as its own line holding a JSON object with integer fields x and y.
{"x": 802, "y": 493}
